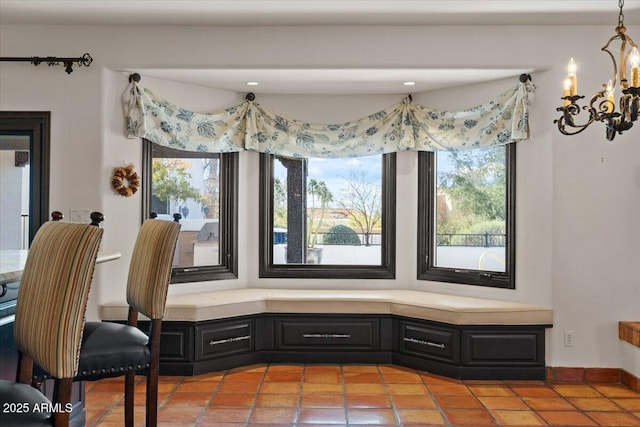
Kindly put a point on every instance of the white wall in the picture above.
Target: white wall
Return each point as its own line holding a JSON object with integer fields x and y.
{"x": 578, "y": 198}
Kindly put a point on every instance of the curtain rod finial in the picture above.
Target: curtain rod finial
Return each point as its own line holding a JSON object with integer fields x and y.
{"x": 135, "y": 77}
{"x": 250, "y": 96}
{"x": 525, "y": 77}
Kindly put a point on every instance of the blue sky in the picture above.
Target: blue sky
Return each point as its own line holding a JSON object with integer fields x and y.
{"x": 334, "y": 172}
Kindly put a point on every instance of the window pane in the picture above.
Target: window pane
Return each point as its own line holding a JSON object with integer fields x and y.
{"x": 189, "y": 185}
{"x": 466, "y": 216}
{"x": 470, "y": 209}
{"x": 339, "y": 219}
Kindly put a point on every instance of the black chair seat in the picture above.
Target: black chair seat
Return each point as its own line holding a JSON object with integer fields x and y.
{"x": 24, "y": 406}
{"x": 111, "y": 349}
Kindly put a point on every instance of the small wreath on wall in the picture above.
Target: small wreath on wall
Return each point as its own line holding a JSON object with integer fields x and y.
{"x": 125, "y": 181}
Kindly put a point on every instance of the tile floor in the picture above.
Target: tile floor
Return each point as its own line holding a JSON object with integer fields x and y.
{"x": 363, "y": 395}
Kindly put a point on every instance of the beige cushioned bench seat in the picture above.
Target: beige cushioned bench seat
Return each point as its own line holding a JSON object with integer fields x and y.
{"x": 451, "y": 309}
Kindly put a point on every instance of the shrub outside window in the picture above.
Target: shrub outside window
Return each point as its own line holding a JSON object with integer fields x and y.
{"x": 466, "y": 216}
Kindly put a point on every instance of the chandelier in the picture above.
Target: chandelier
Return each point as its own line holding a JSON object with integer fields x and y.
{"x": 602, "y": 106}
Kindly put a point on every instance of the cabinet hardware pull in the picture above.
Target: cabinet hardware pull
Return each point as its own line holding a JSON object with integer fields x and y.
{"x": 326, "y": 335}
{"x": 228, "y": 340}
{"x": 428, "y": 343}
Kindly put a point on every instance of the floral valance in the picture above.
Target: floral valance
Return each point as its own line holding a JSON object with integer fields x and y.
{"x": 404, "y": 126}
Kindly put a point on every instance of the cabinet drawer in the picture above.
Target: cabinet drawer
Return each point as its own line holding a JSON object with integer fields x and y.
{"x": 429, "y": 341}
{"x": 315, "y": 334}
{"x": 503, "y": 348}
{"x": 217, "y": 339}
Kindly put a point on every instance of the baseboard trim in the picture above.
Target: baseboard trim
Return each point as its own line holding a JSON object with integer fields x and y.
{"x": 593, "y": 375}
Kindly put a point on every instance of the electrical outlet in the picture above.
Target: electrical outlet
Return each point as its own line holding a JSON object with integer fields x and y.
{"x": 569, "y": 338}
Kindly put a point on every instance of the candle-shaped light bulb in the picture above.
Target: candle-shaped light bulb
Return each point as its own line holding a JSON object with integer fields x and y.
{"x": 571, "y": 71}
{"x": 566, "y": 91}
{"x": 634, "y": 60}
{"x": 610, "y": 98}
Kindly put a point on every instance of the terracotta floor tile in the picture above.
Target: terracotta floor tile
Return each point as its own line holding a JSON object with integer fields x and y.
{"x": 220, "y": 424}
{"x": 285, "y": 368}
{"x": 449, "y": 389}
{"x": 459, "y": 402}
{"x": 412, "y": 402}
{"x": 362, "y": 377}
{"x": 629, "y": 404}
{"x": 283, "y": 376}
{"x": 323, "y": 377}
{"x": 194, "y": 399}
{"x": 179, "y": 413}
{"x": 278, "y": 400}
{"x": 548, "y": 403}
{"x": 576, "y": 390}
{"x": 211, "y": 376}
{"x": 244, "y": 376}
{"x": 431, "y": 379}
{"x": 360, "y": 369}
{"x": 113, "y": 386}
{"x": 233, "y": 399}
{"x": 615, "y": 419}
{"x": 103, "y": 399}
{"x": 322, "y": 401}
{"x": 368, "y": 401}
{"x": 395, "y": 369}
{"x": 616, "y": 390}
{"x": 594, "y": 404}
{"x": 227, "y": 415}
{"x": 322, "y": 388}
{"x": 281, "y": 388}
{"x": 365, "y": 388}
{"x": 491, "y": 390}
{"x": 322, "y": 416}
{"x": 422, "y": 416}
{"x": 116, "y": 415}
{"x": 371, "y": 417}
{"x": 469, "y": 417}
{"x": 401, "y": 378}
{"x": 534, "y": 391}
{"x": 499, "y": 402}
{"x": 197, "y": 386}
{"x": 566, "y": 418}
{"x": 322, "y": 369}
{"x": 518, "y": 418}
{"x": 273, "y": 415}
{"x": 233, "y": 387}
{"x": 407, "y": 389}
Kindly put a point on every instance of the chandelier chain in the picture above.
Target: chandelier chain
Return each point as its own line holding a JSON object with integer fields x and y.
{"x": 620, "y": 15}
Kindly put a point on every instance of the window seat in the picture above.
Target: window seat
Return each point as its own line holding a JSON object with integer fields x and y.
{"x": 451, "y": 309}
{"x": 456, "y": 336}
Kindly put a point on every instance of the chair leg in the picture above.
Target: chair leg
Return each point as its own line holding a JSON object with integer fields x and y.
{"x": 129, "y": 398}
{"x": 152, "y": 376}
{"x": 62, "y": 402}
{"x": 24, "y": 370}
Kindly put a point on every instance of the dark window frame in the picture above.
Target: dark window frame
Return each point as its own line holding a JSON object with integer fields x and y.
{"x": 387, "y": 267}
{"x": 228, "y": 267}
{"x": 426, "y": 230}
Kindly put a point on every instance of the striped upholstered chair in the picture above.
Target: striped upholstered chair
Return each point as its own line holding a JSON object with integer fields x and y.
{"x": 113, "y": 349}
{"x": 49, "y": 321}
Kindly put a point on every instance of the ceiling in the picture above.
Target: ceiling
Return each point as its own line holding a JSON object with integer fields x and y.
{"x": 320, "y": 12}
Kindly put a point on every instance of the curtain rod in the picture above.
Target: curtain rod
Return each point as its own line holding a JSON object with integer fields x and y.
{"x": 84, "y": 60}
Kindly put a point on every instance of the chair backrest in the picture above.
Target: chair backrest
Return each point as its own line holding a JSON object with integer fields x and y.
{"x": 150, "y": 268}
{"x": 53, "y": 293}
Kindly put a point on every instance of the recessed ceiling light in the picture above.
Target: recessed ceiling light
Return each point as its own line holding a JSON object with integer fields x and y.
{"x": 252, "y": 83}
{"x": 409, "y": 83}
